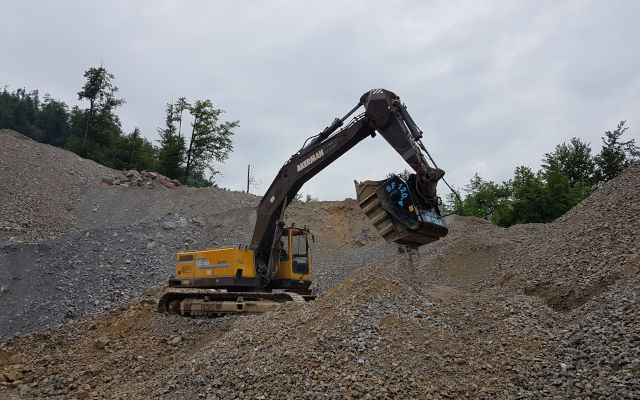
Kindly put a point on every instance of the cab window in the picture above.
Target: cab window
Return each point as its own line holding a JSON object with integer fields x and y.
{"x": 284, "y": 247}
{"x": 299, "y": 253}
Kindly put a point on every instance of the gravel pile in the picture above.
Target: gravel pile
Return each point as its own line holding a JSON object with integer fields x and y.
{"x": 576, "y": 258}
{"x": 533, "y": 311}
{"x": 40, "y": 185}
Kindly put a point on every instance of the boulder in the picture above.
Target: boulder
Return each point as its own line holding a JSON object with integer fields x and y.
{"x": 101, "y": 342}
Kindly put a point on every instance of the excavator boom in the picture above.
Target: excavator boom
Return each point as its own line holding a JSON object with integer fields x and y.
{"x": 385, "y": 114}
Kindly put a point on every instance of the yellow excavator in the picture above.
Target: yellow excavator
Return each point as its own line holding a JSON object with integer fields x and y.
{"x": 276, "y": 266}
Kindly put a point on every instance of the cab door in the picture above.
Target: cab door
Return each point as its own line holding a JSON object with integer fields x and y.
{"x": 300, "y": 257}
{"x": 284, "y": 259}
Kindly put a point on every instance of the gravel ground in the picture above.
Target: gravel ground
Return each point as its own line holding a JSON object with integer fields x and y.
{"x": 533, "y": 311}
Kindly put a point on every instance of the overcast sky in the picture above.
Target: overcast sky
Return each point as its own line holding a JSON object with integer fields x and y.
{"x": 493, "y": 84}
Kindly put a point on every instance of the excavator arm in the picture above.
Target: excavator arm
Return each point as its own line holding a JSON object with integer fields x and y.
{"x": 384, "y": 113}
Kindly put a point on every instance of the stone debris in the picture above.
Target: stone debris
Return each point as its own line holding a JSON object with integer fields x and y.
{"x": 533, "y": 311}
{"x": 143, "y": 179}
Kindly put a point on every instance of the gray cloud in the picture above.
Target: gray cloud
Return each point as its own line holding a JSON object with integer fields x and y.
{"x": 493, "y": 85}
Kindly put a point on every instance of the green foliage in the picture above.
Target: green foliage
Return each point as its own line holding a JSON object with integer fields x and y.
{"x": 483, "y": 200}
{"x": 100, "y": 123}
{"x": 178, "y": 110}
{"x": 198, "y": 179}
{"x": 300, "y": 197}
{"x": 132, "y": 152}
{"x": 172, "y": 147}
{"x": 527, "y": 197}
{"x": 568, "y": 175}
{"x": 615, "y": 155}
{"x": 574, "y": 159}
{"x": 404, "y": 174}
{"x": 310, "y": 199}
{"x": 210, "y": 139}
{"x": 525, "y": 202}
{"x": 53, "y": 121}
{"x": 46, "y": 121}
{"x": 93, "y": 133}
{"x": 96, "y": 133}
{"x": 561, "y": 194}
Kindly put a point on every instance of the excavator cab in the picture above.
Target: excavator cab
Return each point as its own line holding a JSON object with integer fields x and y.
{"x": 294, "y": 261}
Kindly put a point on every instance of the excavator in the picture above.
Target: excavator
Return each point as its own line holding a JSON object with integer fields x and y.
{"x": 276, "y": 266}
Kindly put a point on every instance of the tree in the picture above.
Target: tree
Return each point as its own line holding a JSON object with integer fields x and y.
{"x": 197, "y": 178}
{"x": 97, "y": 127}
{"x": 310, "y": 199}
{"x": 172, "y": 147}
{"x": 525, "y": 201}
{"x": 179, "y": 108}
{"x": 131, "y": 151}
{"x": 100, "y": 93}
{"x": 561, "y": 195}
{"x": 210, "y": 139}
{"x": 252, "y": 180}
{"x": 46, "y": 121}
{"x": 53, "y": 120}
{"x": 404, "y": 174}
{"x": 574, "y": 159}
{"x": 615, "y": 154}
{"x": 304, "y": 198}
{"x": 453, "y": 202}
{"x": 483, "y": 198}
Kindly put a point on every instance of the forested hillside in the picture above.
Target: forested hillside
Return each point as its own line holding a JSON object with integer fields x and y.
{"x": 94, "y": 131}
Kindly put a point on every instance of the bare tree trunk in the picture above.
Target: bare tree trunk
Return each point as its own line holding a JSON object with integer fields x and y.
{"x": 248, "y": 178}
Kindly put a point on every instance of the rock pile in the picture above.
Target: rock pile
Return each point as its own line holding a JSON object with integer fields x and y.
{"x": 144, "y": 179}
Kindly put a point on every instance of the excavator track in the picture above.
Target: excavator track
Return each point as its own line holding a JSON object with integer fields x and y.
{"x": 215, "y": 303}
